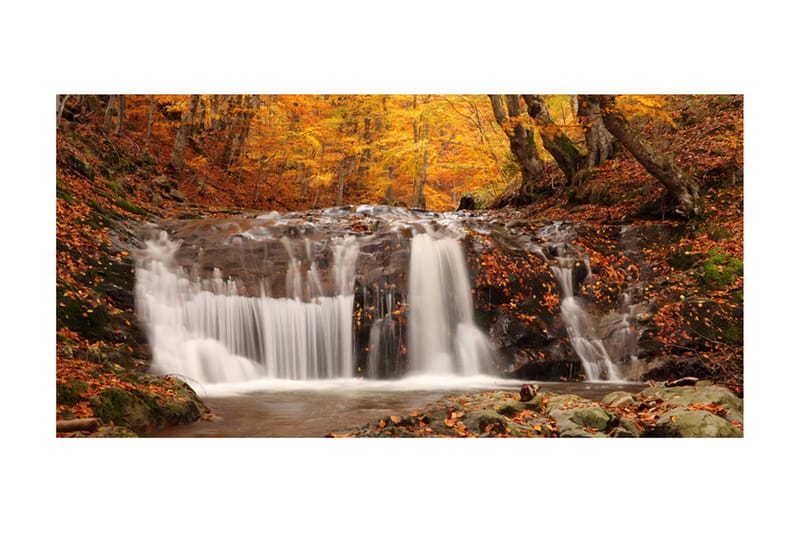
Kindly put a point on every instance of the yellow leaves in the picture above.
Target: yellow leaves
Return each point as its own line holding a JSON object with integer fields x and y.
{"x": 322, "y": 179}
{"x": 649, "y": 106}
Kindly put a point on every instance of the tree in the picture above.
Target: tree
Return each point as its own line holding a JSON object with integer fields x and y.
{"x": 178, "y": 158}
{"x": 507, "y": 111}
{"x": 566, "y": 154}
{"x": 599, "y": 140}
{"x": 239, "y": 130}
{"x": 684, "y": 190}
{"x": 421, "y": 138}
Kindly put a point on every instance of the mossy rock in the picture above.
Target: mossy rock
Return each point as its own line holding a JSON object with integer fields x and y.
{"x": 510, "y": 408}
{"x": 70, "y": 393}
{"x": 556, "y": 401}
{"x": 79, "y": 165}
{"x": 571, "y": 423}
{"x": 705, "y": 395}
{"x": 145, "y": 412}
{"x": 593, "y": 417}
{"x": 626, "y": 428}
{"x": 688, "y": 423}
{"x": 122, "y": 408}
{"x": 477, "y": 421}
{"x": 618, "y": 398}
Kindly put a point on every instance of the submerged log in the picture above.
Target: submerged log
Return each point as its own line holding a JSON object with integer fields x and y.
{"x": 77, "y": 424}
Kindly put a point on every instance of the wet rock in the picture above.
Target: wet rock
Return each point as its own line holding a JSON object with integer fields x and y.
{"x": 618, "y": 399}
{"x": 714, "y": 395}
{"x": 527, "y": 392}
{"x": 477, "y": 421}
{"x": 683, "y": 422}
{"x": 626, "y": 428}
{"x": 579, "y": 417}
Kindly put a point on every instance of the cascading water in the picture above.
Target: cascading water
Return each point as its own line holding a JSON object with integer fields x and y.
{"x": 212, "y": 332}
{"x": 444, "y": 338}
{"x": 275, "y": 297}
{"x": 604, "y": 343}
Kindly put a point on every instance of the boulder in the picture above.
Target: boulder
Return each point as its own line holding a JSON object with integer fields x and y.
{"x": 579, "y": 417}
{"x": 684, "y": 422}
{"x": 619, "y": 399}
{"x": 704, "y": 395}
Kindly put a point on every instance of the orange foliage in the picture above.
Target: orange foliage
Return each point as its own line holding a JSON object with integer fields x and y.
{"x": 306, "y": 151}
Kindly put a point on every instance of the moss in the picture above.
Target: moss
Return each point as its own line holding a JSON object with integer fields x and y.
{"x": 107, "y": 215}
{"x": 70, "y": 393}
{"x": 510, "y": 408}
{"x": 110, "y": 405}
{"x": 477, "y": 421}
{"x": 129, "y": 207}
{"x": 63, "y": 193}
{"x": 115, "y": 188}
{"x": 719, "y": 270}
{"x": 123, "y": 408}
{"x": 593, "y": 417}
{"x": 89, "y": 323}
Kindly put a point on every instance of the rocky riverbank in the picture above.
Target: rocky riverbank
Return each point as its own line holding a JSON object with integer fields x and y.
{"x": 701, "y": 409}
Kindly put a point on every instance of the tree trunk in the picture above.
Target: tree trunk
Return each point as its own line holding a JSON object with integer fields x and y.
{"x": 599, "y": 140}
{"x": 418, "y": 196}
{"x": 149, "y": 123}
{"x": 120, "y": 113}
{"x": 239, "y": 131}
{"x": 231, "y": 142}
{"x": 109, "y": 113}
{"x": 522, "y": 142}
{"x": 348, "y": 161}
{"x": 561, "y": 147}
{"x": 419, "y": 192}
{"x": 61, "y": 102}
{"x": 178, "y": 158}
{"x": 680, "y": 185}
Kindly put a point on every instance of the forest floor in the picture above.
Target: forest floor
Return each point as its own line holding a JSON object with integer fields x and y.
{"x": 103, "y": 184}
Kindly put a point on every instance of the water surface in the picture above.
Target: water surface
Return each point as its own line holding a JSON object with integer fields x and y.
{"x": 299, "y": 409}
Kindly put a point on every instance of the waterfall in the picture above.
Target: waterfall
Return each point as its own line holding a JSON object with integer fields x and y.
{"x": 443, "y": 337}
{"x": 603, "y": 343}
{"x": 235, "y": 300}
{"x": 209, "y": 331}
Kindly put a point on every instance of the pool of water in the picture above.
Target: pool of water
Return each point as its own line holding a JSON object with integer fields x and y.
{"x": 303, "y": 409}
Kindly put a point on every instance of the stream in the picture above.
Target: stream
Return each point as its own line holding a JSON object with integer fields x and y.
{"x": 297, "y": 410}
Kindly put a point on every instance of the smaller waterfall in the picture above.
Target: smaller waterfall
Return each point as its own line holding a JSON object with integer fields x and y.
{"x": 603, "y": 343}
{"x": 443, "y": 338}
{"x": 209, "y": 331}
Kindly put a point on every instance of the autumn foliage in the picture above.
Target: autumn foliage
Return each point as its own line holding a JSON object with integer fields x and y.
{"x": 253, "y": 153}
